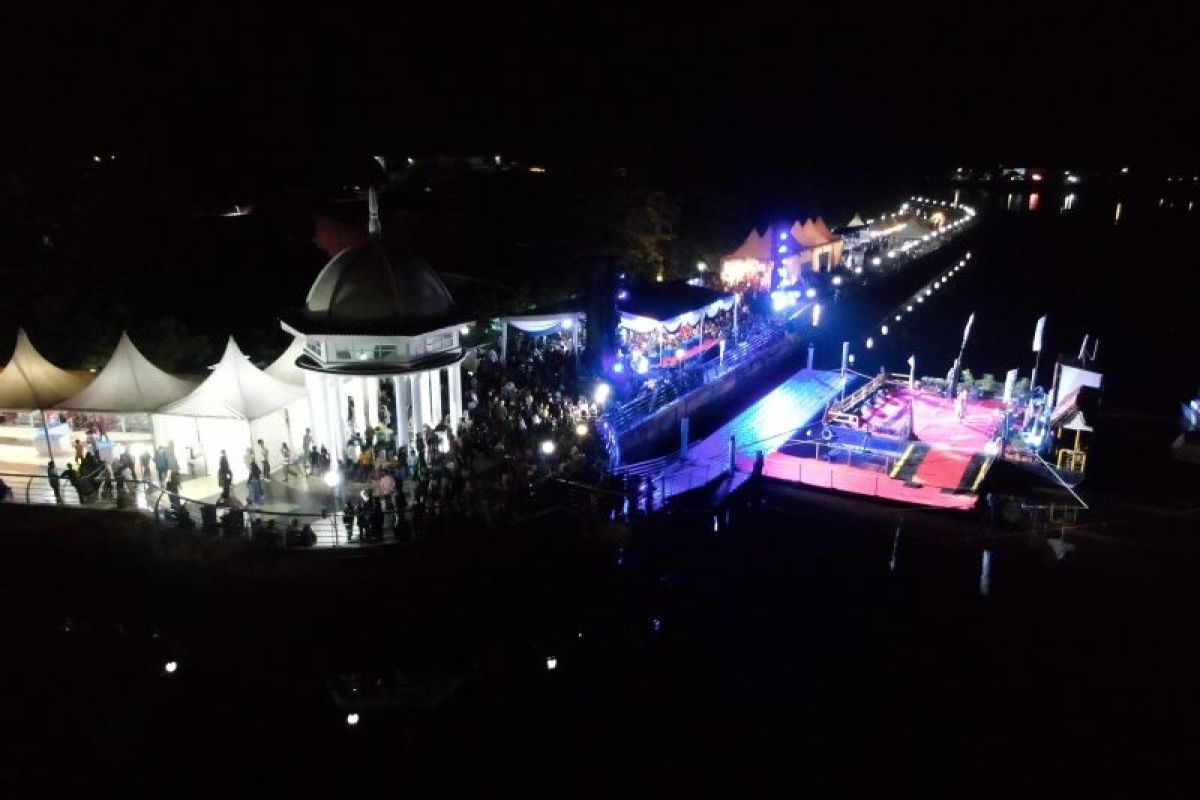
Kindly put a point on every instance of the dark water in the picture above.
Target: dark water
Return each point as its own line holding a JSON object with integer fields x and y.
{"x": 1133, "y": 284}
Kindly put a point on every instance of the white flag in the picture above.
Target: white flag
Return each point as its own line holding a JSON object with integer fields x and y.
{"x": 1037, "y": 334}
{"x": 912, "y": 362}
{"x": 1010, "y": 383}
{"x": 1083, "y": 348}
{"x": 967, "y": 330}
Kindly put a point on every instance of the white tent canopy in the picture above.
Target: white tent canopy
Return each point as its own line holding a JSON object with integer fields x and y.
{"x": 129, "y": 383}
{"x": 30, "y": 381}
{"x": 284, "y": 368}
{"x": 236, "y": 389}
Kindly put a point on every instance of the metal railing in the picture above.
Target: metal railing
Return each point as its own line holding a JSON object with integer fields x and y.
{"x": 259, "y": 526}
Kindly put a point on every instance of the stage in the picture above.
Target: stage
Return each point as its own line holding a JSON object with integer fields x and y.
{"x": 941, "y": 468}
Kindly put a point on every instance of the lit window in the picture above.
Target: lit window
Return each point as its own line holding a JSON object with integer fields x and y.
{"x": 385, "y": 351}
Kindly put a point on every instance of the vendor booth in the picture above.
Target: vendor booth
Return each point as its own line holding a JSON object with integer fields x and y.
{"x": 667, "y": 324}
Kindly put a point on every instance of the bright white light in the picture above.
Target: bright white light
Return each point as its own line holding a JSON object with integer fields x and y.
{"x": 701, "y": 266}
{"x": 352, "y": 719}
{"x": 858, "y": 270}
{"x": 851, "y": 358}
{"x": 891, "y": 253}
{"x": 876, "y": 261}
{"x": 170, "y": 667}
{"x": 837, "y": 280}
{"x": 680, "y": 353}
{"x": 568, "y": 324}
{"x": 96, "y": 159}
{"x": 908, "y": 309}
{"x": 810, "y": 293}
{"x": 332, "y": 478}
{"x": 899, "y": 317}
{"x": 658, "y": 278}
{"x": 601, "y": 393}
{"x": 581, "y": 429}
{"x": 816, "y": 317}
{"x": 921, "y": 299}
{"x": 870, "y": 342}
{"x": 884, "y": 330}
{"x": 551, "y": 663}
{"x": 928, "y": 292}
{"x": 464, "y": 330}
{"x": 548, "y": 448}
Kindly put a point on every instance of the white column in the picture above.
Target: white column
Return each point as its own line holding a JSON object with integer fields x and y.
{"x": 372, "y": 391}
{"x": 338, "y": 447}
{"x": 435, "y": 396}
{"x": 417, "y": 391}
{"x": 456, "y": 404}
{"x": 401, "y": 411}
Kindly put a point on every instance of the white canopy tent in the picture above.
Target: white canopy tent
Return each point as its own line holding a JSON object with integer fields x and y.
{"x": 284, "y": 368}
{"x": 129, "y": 383}
{"x": 29, "y": 381}
{"x": 234, "y": 407}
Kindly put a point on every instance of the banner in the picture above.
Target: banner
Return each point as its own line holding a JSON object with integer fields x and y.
{"x": 1037, "y": 334}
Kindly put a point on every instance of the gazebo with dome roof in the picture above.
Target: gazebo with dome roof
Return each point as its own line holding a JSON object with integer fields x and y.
{"x": 378, "y": 312}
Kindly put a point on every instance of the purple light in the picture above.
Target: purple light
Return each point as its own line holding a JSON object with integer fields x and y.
{"x": 783, "y": 248}
{"x": 622, "y": 294}
{"x": 783, "y": 236}
{"x": 618, "y": 367}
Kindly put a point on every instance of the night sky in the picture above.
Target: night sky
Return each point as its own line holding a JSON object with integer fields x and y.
{"x": 748, "y": 93}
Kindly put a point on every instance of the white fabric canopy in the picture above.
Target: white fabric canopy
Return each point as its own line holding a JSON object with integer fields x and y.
{"x": 284, "y": 368}
{"x": 129, "y": 383}
{"x": 30, "y": 381}
{"x": 236, "y": 389}
{"x": 543, "y": 324}
{"x": 645, "y": 324}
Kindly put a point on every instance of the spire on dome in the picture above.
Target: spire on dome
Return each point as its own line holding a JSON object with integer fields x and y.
{"x": 373, "y": 225}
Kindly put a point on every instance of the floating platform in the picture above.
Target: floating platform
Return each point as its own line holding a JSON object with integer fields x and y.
{"x": 942, "y": 466}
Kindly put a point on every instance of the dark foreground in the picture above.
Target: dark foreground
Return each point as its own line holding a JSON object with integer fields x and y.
{"x": 781, "y": 653}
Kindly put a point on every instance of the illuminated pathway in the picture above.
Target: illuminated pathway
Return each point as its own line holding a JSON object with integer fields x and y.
{"x": 765, "y": 426}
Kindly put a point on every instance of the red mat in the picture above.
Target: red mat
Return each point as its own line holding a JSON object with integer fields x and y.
{"x": 953, "y": 442}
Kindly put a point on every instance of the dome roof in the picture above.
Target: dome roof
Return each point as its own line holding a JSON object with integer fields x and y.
{"x": 373, "y": 287}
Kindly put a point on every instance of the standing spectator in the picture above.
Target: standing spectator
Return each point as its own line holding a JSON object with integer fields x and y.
{"x": 144, "y": 462}
{"x": 162, "y": 463}
{"x": 266, "y": 460}
{"x": 224, "y": 476}
{"x": 286, "y": 454}
{"x": 78, "y": 451}
{"x": 314, "y": 461}
{"x": 52, "y": 475}
{"x": 254, "y": 485}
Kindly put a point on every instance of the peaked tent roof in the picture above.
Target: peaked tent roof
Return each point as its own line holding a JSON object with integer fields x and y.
{"x": 284, "y": 368}
{"x": 30, "y": 381}
{"x": 807, "y": 235}
{"x": 236, "y": 389}
{"x": 855, "y": 222}
{"x": 130, "y": 383}
{"x": 755, "y": 247}
{"x": 823, "y": 229}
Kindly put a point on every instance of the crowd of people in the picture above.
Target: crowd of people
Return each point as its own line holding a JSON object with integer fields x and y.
{"x": 523, "y": 422}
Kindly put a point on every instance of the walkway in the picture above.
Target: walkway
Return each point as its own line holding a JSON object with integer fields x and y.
{"x": 764, "y": 426}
